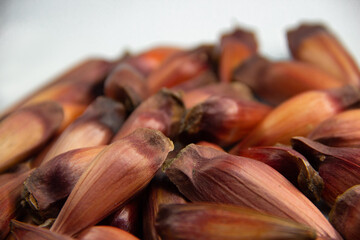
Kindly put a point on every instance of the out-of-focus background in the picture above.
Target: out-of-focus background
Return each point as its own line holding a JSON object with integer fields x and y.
{"x": 40, "y": 38}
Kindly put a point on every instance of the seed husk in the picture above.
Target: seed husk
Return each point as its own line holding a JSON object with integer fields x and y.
{"x": 128, "y": 217}
{"x": 224, "y": 120}
{"x": 292, "y": 165}
{"x": 341, "y": 130}
{"x": 162, "y": 111}
{"x": 24, "y": 231}
{"x": 251, "y": 70}
{"x": 47, "y": 187}
{"x": 26, "y": 130}
{"x": 345, "y": 214}
{"x": 275, "y": 82}
{"x": 228, "y": 222}
{"x": 235, "y": 48}
{"x": 161, "y": 191}
{"x": 299, "y": 115}
{"x": 315, "y": 44}
{"x": 91, "y": 70}
{"x": 10, "y": 193}
{"x": 74, "y": 90}
{"x": 95, "y": 127}
{"x": 206, "y": 174}
{"x": 180, "y": 68}
{"x": 127, "y": 85}
{"x": 120, "y": 171}
{"x": 338, "y": 167}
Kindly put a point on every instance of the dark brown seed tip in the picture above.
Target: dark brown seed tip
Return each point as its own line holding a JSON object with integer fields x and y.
{"x": 242, "y": 35}
{"x": 111, "y": 113}
{"x": 297, "y": 35}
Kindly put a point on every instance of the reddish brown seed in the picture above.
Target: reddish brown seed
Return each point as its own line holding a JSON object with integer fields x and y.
{"x": 275, "y": 82}
{"x": 315, "y": 44}
{"x": 26, "y": 130}
{"x": 72, "y": 97}
{"x": 251, "y": 70}
{"x": 152, "y": 59}
{"x": 120, "y": 171}
{"x": 73, "y": 90}
{"x": 224, "y": 120}
{"x": 292, "y": 165}
{"x": 235, "y": 48}
{"x": 71, "y": 113}
{"x": 47, "y": 187}
{"x": 162, "y": 111}
{"x": 178, "y": 69}
{"x": 128, "y": 217}
{"x": 299, "y": 115}
{"x": 206, "y": 174}
{"x": 345, "y": 214}
{"x": 126, "y": 85}
{"x": 10, "y": 193}
{"x": 160, "y": 192}
{"x": 338, "y": 167}
{"x": 227, "y": 222}
{"x": 69, "y": 86}
{"x": 341, "y": 130}
{"x": 95, "y": 127}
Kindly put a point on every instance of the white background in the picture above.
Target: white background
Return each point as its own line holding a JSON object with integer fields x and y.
{"x": 41, "y": 38}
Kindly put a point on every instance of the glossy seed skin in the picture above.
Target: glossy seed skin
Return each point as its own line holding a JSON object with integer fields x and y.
{"x": 125, "y": 167}
{"x": 225, "y": 221}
